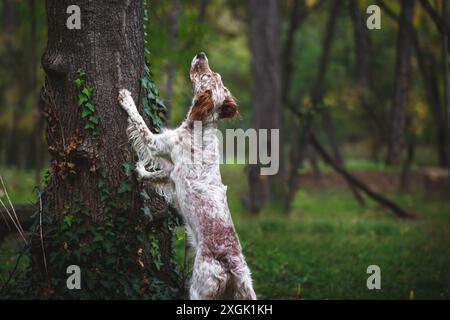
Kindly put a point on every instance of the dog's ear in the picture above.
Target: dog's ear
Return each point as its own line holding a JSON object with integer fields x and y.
{"x": 228, "y": 108}
{"x": 202, "y": 106}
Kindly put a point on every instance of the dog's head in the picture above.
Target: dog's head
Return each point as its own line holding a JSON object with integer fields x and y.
{"x": 212, "y": 100}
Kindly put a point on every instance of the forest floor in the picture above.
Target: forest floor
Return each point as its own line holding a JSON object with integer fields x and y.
{"x": 321, "y": 249}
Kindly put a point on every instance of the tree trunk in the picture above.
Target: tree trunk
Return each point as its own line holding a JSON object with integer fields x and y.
{"x": 402, "y": 75}
{"x": 430, "y": 82}
{"x": 296, "y": 149}
{"x": 92, "y": 210}
{"x": 406, "y": 169}
{"x": 266, "y": 91}
{"x": 363, "y": 75}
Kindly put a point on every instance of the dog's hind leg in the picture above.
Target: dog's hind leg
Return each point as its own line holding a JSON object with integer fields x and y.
{"x": 241, "y": 287}
{"x": 209, "y": 280}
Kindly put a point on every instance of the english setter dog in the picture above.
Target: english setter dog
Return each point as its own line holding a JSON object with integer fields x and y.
{"x": 195, "y": 187}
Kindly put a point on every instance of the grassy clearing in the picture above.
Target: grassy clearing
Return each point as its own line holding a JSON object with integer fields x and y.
{"x": 322, "y": 248}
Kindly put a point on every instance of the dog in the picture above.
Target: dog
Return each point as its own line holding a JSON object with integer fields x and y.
{"x": 195, "y": 188}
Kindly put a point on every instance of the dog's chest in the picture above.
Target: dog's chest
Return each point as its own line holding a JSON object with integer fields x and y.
{"x": 196, "y": 148}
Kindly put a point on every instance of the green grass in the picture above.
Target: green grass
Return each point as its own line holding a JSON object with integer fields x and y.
{"x": 20, "y": 187}
{"x": 10, "y": 251}
{"x": 354, "y": 164}
{"x": 20, "y": 184}
{"x": 322, "y": 248}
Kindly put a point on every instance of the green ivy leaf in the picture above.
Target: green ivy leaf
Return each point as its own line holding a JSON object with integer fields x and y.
{"x": 87, "y": 91}
{"x": 128, "y": 168}
{"x": 145, "y": 195}
{"x": 78, "y": 83}
{"x": 90, "y": 106}
{"x": 82, "y": 99}
{"x": 81, "y": 73}
{"x": 94, "y": 119}
{"x": 124, "y": 187}
{"x": 85, "y": 113}
{"x": 160, "y": 103}
{"x": 98, "y": 237}
{"x": 68, "y": 219}
{"x": 180, "y": 233}
{"x": 147, "y": 212}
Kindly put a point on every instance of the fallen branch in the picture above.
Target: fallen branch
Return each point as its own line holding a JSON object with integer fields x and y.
{"x": 354, "y": 181}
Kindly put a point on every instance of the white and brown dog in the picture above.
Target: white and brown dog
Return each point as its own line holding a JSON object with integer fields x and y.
{"x": 195, "y": 187}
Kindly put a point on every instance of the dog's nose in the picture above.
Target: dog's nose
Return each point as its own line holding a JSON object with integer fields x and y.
{"x": 201, "y": 55}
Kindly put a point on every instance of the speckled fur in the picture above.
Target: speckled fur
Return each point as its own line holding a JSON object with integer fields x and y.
{"x": 196, "y": 188}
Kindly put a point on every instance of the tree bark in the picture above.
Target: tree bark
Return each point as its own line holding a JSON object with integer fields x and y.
{"x": 402, "y": 75}
{"x": 406, "y": 169}
{"x": 87, "y": 172}
{"x": 111, "y": 53}
{"x": 266, "y": 91}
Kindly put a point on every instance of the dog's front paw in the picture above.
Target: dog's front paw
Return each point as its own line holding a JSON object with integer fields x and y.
{"x": 123, "y": 94}
{"x": 125, "y": 99}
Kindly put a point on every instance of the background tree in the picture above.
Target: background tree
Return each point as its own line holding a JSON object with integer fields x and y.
{"x": 266, "y": 91}
{"x": 401, "y": 82}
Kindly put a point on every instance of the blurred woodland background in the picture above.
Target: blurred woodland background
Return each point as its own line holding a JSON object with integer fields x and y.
{"x": 364, "y": 123}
